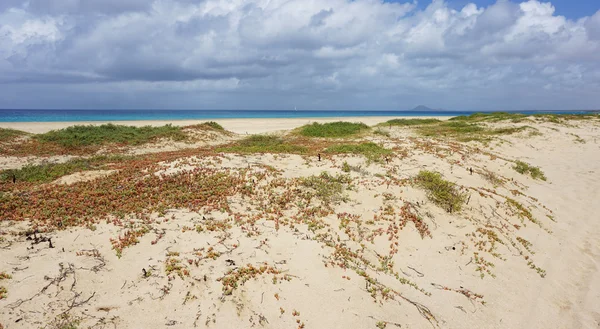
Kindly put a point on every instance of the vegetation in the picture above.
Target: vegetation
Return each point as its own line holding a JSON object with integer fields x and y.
{"x": 441, "y": 192}
{"x": 64, "y": 321}
{"x": 8, "y": 134}
{"x": 490, "y": 117}
{"x": 3, "y": 291}
{"x": 561, "y": 118}
{"x": 381, "y": 324}
{"x": 263, "y": 144}
{"x": 128, "y": 239}
{"x": 209, "y": 125}
{"x": 79, "y": 136}
{"x": 346, "y": 167}
{"x": 491, "y": 177}
{"x": 173, "y": 265}
{"x": 518, "y": 117}
{"x": 327, "y": 188}
{"x": 213, "y": 125}
{"x": 333, "y": 129}
{"x": 465, "y": 131}
{"x": 47, "y": 172}
{"x": 370, "y": 150}
{"x": 410, "y": 122}
{"x": 521, "y": 211}
{"x": 382, "y": 132}
{"x": 526, "y": 169}
{"x": 462, "y": 130}
{"x": 237, "y": 277}
{"x": 119, "y": 195}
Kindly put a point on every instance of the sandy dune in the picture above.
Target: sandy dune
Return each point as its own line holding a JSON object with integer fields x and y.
{"x": 277, "y": 259}
{"x": 239, "y": 126}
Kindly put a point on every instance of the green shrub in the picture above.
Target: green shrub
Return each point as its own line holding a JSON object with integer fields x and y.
{"x": 214, "y": 125}
{"x": 77, "y": 136}
{"x": 456, "y": 129}
{"x": 510, "y": 130}
{"x": 441, "y": 192}
{"x": 333, "y": 129}
{"x": 492, "y": 117}
{"x": 48, "y": 172}
{"x": 263, "y": 144}
{"x": 561, "y": 118}
{"x": 526, "y": 169}
{"x": 8, "y": 134}
{"x": 370, "y": 150}
{"x": 465, "y": 131}
{"x": 327, "y": 188}
{"x": 345, "y": 167}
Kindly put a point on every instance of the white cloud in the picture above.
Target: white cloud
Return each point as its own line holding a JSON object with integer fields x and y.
{"x": 322, "y": 53}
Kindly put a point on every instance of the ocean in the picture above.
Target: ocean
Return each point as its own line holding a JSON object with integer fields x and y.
{"x": 7, "y": 115}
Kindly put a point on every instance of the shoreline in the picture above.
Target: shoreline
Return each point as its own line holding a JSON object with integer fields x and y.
{"x": 239, "y": 126}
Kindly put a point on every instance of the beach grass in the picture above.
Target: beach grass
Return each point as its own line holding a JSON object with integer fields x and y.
{"x": 527, "y": 169}
{"x": 9, "y": 134}
{"x": 48, "y": 172}
{"x": 209, "y": 124}
{"x": 490, "y": 117}
{"x": 563, "y": 118}
{"x": 440, "y": 191}
{"x": 263, "y": 144}
{"x": 459, "y": 130}
{"x": 465, "y": 131}
{"x": 327, "y": 188}
{"x": 518, "y": 117}
{"x": 333, "y": 129}
{"x": 81, "y": 136}
{"x": 370, "y": 150}
{"x": 492, "y": 177}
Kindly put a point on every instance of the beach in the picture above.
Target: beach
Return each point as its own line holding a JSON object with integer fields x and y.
{"x": 479, "y": 223}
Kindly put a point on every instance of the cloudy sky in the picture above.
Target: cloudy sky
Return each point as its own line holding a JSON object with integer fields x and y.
{"x": 312, "y": 54}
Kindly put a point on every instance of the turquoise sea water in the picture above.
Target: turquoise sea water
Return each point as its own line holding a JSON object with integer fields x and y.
{"x": 130, "y": 115}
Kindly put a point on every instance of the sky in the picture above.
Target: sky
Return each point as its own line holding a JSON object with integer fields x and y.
{"x": 304, "y": 54}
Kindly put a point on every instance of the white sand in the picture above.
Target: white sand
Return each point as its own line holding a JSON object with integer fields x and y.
{"x": 518, "y": 297}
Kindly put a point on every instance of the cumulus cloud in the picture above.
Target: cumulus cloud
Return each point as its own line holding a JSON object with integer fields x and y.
{"x": 316, "y": 54}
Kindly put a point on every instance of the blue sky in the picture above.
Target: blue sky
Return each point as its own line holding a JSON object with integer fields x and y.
{"x": 310, "y": 54}
{"x": 573, "y": 9}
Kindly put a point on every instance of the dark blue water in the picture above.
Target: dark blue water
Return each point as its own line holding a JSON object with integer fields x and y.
{"x": 130, "y": 115}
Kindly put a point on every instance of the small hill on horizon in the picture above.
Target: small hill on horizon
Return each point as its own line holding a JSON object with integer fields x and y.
{"x": 423, "y": 108}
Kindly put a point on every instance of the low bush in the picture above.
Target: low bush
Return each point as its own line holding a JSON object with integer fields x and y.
{"x": 333, "y": 129}
{"x": 441, "y": 192}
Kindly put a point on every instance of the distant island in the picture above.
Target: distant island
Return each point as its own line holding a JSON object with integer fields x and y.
{"x": 423, "y": 108}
